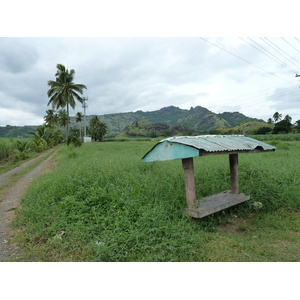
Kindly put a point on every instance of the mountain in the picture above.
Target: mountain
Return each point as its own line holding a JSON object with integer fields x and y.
{"x": 197, "y": 118}
{"x": 148, "y": 129}
{"x": 16, "y": 131}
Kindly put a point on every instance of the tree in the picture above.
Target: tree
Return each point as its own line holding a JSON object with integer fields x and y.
{"x": 288, "y": 119}
{"x": 63, "y": 91}
{"x": 63, "y": 119}
{"x": 297, "y": 125}
{"x": 74, "y": 138}
{"x": 46, "y": 136}
{"x": 277, "y": 116}
{"x": 263, "y": 130}
{"x": 51, "y": 117}
{"x": 23, "y": 149}
{"x": 79, "y": 117}
{"x": 270, "y": 121}
{"x": 284, "y": 126}
{"x": 97, "y": 128}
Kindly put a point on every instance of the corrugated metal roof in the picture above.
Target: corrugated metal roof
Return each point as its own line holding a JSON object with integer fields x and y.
{"x": 193, "y": 146}
{"x": 215, "y": 143}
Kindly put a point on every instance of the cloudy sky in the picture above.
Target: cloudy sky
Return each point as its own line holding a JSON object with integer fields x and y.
{"x": 254, "y": 75}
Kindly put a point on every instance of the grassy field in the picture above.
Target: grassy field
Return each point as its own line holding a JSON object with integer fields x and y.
{"x": 104, "y": 204}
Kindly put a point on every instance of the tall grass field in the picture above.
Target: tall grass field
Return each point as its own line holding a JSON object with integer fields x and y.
{"x": 103, "y": 203}
{"x": 7, "y": 148}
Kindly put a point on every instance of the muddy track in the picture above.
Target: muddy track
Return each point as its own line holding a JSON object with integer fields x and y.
{"x": 12, "y": 196}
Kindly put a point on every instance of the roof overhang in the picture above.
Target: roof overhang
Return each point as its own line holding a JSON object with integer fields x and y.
{"x": 204, "y": 145}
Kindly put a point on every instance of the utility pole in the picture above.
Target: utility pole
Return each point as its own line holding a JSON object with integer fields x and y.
{"x": 84, "y": 105}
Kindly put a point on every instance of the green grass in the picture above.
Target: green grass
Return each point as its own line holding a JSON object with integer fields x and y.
{"x": 104, "y": 204}
{"x": 277, "y": 137}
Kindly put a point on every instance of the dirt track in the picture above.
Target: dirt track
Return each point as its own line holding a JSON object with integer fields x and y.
{"x": 12, "y": 196}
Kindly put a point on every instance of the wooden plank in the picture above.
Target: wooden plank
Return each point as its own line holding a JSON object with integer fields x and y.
{"x": 215, "y": 203}
{"x": 188, "y": 167}
{"x": 233, "y": 162}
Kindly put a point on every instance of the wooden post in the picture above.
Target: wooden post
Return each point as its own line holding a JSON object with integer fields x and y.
{"x": 233, "y": 161}
{"x": 188, "y": 167}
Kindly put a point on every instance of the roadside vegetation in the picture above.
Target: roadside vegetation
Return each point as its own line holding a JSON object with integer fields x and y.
{"x": 104, "y": 204}
{"x": 14, "y": 151}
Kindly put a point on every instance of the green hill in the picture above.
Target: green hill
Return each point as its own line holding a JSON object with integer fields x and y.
{"x": 147, "y": 129}
{"x": 16, "y": 131}
{"x": 245, "y": 128}
{"x": 197, "y": 118}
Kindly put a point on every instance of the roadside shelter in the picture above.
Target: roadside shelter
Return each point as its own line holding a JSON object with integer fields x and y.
{"x": 188, "y": 147}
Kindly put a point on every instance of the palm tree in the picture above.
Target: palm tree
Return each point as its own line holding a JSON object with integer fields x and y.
{"x": 79, "y": 117}
{"x": 288, "y": 119}
{"x": 63, "y": 91}
{"x": 51, "y": 117}
{"x": 97, "y": 128}
{"x": 277, "y": 116}
{"x": 63, "y": 120}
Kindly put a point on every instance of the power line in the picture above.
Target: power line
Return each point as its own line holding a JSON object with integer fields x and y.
{"x": 297, "y": 40}
{"x": 260, "y": 98}
{"x": 281, "y": 51}
{"x": 277, "y": 59}
{"x": 244, "y": 60}
{"x": 249, "y": 95}
{"x": 290, "y": 45}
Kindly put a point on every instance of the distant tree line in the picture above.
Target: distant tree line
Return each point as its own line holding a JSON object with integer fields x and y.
{"x": 283, "y": 125}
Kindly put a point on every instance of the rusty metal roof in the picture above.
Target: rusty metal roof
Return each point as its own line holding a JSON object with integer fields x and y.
{"x": 205, "y": 145}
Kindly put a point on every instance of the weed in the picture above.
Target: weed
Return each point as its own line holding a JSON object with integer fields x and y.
{"x": 111, "y": 206}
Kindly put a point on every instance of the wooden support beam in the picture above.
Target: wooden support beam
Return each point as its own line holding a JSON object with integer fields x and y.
{"x": 188, "y": 167}
{"x": 233, "y": 161}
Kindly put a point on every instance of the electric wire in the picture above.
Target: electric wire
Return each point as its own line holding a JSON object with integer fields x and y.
{"x": 244, "y": 59}
{"x": 262, "y": 98}
{"x": 252, "y": 95}
{"x": 290, "y": 45}
{"x": 282, "y": 56}
{"x": 282, "y": 51}
{"x": 277, "y": 60}
{"x": 242, "y": 106}
{"x": 297, "y": 40}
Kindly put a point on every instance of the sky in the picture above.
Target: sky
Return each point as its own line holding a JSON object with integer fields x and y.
{"x": 249, "y": 72}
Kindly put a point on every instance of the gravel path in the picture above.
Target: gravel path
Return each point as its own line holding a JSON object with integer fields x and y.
{"x": 12, "y": 196}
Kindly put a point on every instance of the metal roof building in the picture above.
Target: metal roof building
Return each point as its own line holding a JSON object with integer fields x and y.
{"x": 187, "y": 147}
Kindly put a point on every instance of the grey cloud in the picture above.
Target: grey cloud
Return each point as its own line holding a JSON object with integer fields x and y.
{"x": 16, "y": 56}
{"x": 285, "y": 98}
{"x": 124, "y": 74}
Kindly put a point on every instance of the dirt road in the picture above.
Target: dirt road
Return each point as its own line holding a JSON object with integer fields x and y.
{"x": 12, "y": 196}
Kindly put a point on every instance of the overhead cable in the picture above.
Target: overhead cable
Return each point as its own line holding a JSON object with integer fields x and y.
{"x": 290, "y": 44}
{"x": 297, "y": 40}
{"x": 277, "y": 60}
{"x": 282, "y": 51}
{"x": 244, "y": 59}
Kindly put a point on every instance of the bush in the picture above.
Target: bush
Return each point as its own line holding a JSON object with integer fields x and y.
{"x": 263, "y": 130}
